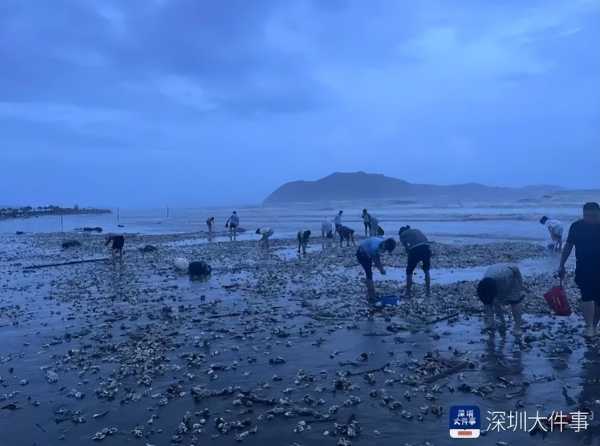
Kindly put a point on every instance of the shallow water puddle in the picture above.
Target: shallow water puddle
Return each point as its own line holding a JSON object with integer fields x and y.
{"x": 292, "y": 253}
{"x": 446, "y": 276}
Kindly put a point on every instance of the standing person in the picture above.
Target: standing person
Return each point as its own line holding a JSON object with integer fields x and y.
{"x": 417, "y": 249}
{"x": 326, "y": 231}
{"x": 555, "y": 229}
{"x": 501, "y": 285}
{"x": 303, "y": 237}
{"x": 117, "y": 242}
{"x": 265, "y": 234}
{"x": 584, "y": 235}
{"x": 369, "y": 254}
{"x": 210, "y": 221}
{"x": 233, "y": 223}
{"x": 374, "y": 228}
{"x": 367, "y": 222}
{"x": 337, "y": 221}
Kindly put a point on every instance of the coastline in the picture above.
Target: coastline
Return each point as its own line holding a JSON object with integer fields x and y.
{"x": 18, "y": 213}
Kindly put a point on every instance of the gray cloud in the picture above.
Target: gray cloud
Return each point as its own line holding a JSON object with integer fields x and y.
{"x": 184, "y": 94}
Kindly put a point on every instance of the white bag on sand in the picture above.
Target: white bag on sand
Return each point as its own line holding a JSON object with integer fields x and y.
{"x": 182, "y": 264}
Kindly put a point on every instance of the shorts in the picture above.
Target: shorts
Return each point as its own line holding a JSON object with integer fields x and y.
{"x": 366, "y": 262}
{"x": 589, "y": 285}
{"x": 421, "y": 253}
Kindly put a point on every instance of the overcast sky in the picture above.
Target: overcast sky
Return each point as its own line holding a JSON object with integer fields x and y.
{"x": 193, "y": 102}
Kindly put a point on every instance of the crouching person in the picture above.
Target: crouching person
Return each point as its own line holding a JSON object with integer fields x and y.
{"x": 303, "y": 237}
{"x": 369, "y": 254}
{"x": 501, "y": 285}
{"x": 196, "y": 270}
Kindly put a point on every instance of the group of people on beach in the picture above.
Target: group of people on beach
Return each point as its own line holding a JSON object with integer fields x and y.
{"x": 501, "y": 285}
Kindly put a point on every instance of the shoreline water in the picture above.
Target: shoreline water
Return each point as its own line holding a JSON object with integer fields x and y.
{"x": 21, "y": 213}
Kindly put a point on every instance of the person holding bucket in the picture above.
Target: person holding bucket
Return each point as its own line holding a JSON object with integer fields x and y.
{"x": 584, "y": 235}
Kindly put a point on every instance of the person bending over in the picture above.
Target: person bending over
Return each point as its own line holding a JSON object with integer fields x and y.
{"x": 265, "y": 234}
{"x": 303, "y": 237}
{"x": 369, "y": 254}
{"x": 346, "y": 234}
{"x": 326, "y": 231}
{"x": 116, "y": 244}
{"x": 555, "y": 229}
{"x": 418, "y": 251}
{"x": 210, "y": 222}
{"x": 501, "y": 285}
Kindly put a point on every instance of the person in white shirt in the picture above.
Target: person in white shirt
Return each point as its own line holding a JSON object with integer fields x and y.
{"x": 374, "y": 228}
{"x": 337, "y": 221}
{"x": 326, "y": 231}
{"x": 555, "y": 229}
{"x": 233, "y": 222}
{"x": 265, "y": 234}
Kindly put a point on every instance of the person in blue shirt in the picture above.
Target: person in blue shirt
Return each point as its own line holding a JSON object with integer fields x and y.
{"x": 369, "y": 254}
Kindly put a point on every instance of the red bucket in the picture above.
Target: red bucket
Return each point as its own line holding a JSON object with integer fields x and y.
{"x": 557, "y": 301}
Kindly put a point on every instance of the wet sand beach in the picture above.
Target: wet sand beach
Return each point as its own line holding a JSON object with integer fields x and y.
{"x": 273, "y": 348}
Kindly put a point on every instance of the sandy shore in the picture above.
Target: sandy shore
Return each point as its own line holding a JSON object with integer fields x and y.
{"x": 272, "y": 347}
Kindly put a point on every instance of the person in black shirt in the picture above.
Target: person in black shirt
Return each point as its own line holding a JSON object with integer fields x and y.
{"x": 584, "y": 235}
{"x": 117, "y": 242}
{"x": 210, "y": 221}
{"x": 303, "y": 237}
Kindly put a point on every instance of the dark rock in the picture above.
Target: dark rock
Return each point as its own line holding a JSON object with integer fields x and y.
{"x": 70, "y": 244}
{"x": 92, "y": 229}
{"x": 199, "y": 269}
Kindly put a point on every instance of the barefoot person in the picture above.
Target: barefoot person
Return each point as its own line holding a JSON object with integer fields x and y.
{"x": 303, "y": 237}
{"x": 210, "y": 222}
{"x": 346, "y": 234}
{"x": 116, "y": 246}
{"x": 233, "y": 222}
{"x": 555, "y": 229}
{"x": 366, "y": 218}
{"x": 337, "y": 221}
{"x": 584, "y": 235}
{"x": 418, "y": 251}
{"x": 265, "y": 234}
{"x": 369, "y": 254}
{"x": 326, "y": 231}
{"x": 374, "y": 229}
{"x": 501, "y": 285}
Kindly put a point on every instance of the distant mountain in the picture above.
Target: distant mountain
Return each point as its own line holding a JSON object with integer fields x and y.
{"x": 368, "y": 186}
